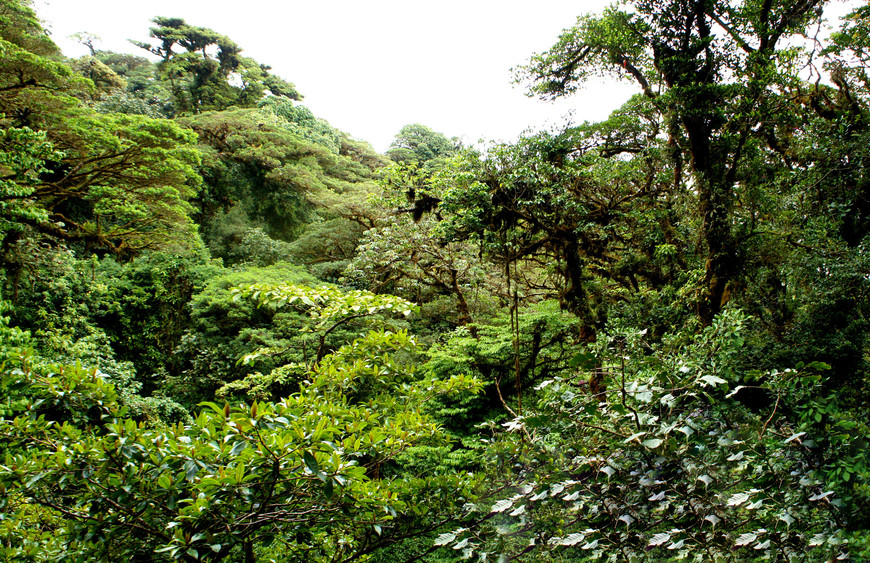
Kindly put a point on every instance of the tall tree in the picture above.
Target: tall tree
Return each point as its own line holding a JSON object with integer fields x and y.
{"x": 715, "y": 70}
{"x": 118, "y": 183}
{"x": 209, "y": 73}
{"x": 419, "y": 144}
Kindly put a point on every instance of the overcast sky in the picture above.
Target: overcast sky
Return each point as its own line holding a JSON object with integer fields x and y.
{"x": 370, "y": 67}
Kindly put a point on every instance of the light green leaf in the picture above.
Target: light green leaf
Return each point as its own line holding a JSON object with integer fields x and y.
{"x": 501, "y": 505}
{"x": 572, "y": 539}
{"x": 660, "y": 538}
{"x": 746, "y": 539}
{"x": 445, "y": 539}
{"x": 653, "y": 443}
{"x": 712, "y": 380}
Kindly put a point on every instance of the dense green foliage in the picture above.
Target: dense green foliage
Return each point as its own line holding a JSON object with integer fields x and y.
{"x": 201, "y": 80}
{"x": 231, "y": 332}
{"x": 419, "y": 144}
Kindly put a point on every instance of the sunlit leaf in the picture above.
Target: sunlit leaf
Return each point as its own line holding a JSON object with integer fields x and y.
{"x": 660, "y": 538}
{"x": 501, "y": 505}
{"x": 746, "y": 539}
{"x": 573, "y": 539}
{"x": 653, "y": 443}
{"x": 712, "y": 380}
{"x": 445, "y": 539}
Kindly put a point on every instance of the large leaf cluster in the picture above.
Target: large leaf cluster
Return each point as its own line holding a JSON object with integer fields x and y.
{"x": 302, "y": 472}
{"x": 667, "y": 465}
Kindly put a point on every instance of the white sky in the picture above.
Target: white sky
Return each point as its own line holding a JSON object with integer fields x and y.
{"x": 370, "y": 67}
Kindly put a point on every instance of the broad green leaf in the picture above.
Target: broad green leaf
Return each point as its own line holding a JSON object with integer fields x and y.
{"x": 311, "y": 462}
{"x": 712, "y": 380}
{"x": 461, "y": 544}
{"x": 445, "y": 539}
{"x": 660, "y": 538}
{"x": 572, "y": 539}
{"x": 737, "y": 499}
{"x": 652, "y": 443}
{"x": 501, "y": 505}
{"x": 746, "y": 539}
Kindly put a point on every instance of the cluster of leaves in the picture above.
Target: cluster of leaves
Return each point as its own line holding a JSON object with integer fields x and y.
{"x": 138, "y": 89}
{"x": 418, "y": 144}
{"x": 668, "y": 465}
{"x": 277, "y": 169}
{"x": 329, "y": 308}
{"x": 567, "y": 218}
{"x": 203, "y": 77}
{"x": 115, "y": 182}
{"x": 303, "y": 472}
{"x": 23, "y": 153}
